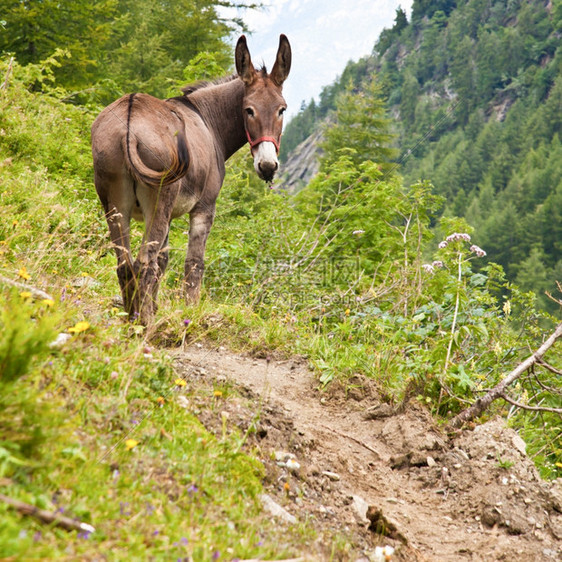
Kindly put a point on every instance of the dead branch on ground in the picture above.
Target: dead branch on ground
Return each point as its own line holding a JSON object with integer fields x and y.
{"x": 482, "y": 404}
{"x": 47, "y": 516}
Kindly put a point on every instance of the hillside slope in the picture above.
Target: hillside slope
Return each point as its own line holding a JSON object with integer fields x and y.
{"x": 381, "y": 477}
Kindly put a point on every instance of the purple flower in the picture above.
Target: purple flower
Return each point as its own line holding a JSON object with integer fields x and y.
{"x": 187, "y": 322}
{"x": 443, "y": 244}
{"x": 428, "y": 268}
{"x": 216, "y": 555}
{"x": 84, "y": 535}
{"x": 123, "y": 508}
{"x": 192, "y": 489}
{"x": 437, "y": 264}
{"x": 37, "y": 536}
{"x": 183, "y": 540}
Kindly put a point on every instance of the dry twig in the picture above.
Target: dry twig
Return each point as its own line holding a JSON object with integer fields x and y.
{"x": 531, "y": 408}
{"x": 482, "y": 404}
{"x": 4, "y": 85}
{"x": 48, "y": 516}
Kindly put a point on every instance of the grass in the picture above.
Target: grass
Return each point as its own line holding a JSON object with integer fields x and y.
{"x": 98, "y": 428}
{"x": 109, "y": 441}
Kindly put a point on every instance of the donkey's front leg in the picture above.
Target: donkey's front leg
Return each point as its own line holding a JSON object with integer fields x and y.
{"x": 200, "y": 223}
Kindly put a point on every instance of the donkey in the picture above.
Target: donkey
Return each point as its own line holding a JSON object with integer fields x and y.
{"x": 155, "y": 160}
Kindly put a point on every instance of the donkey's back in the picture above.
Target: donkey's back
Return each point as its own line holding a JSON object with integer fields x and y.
{"x": 133, "y": 139}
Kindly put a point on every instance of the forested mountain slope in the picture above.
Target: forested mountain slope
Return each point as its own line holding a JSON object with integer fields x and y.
{"x": 474, "y": 88}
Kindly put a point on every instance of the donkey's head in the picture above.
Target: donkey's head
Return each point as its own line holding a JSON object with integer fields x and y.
{"x": 264, "y": 105}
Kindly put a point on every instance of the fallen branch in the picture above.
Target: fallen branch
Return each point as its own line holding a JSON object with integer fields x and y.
{"x": 37, "y": 293}
{"x": 545, "y": 387}
{"x": 549, "y": 367}
{"x": 48, "y": 516}
{"x": 4, "y": 85}
{"x": 531, "y": 408}
{"x": 482, "y": 404}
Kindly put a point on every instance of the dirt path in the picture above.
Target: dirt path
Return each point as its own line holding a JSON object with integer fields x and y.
{"x": 477, "y": 497}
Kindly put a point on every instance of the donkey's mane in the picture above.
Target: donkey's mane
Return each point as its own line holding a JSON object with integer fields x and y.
{"x": 201, "y": 84}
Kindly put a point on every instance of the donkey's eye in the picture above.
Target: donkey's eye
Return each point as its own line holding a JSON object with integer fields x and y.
{"x": 250, "y": 111}
{"x": 281, "y": 111}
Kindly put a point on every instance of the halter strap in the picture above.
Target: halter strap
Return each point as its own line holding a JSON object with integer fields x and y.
{"x": 253, "y": 143}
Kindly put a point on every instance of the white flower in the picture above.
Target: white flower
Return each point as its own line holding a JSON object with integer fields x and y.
{"x": 458, "y": 236}
{"x": 437, "y": 264}
{"x": 443, "y": 244}
{"x": 477, "y": 250}
{"x": 358, "y": 232}
{"x": 383, "y": 553}
{"x": 428, "y": 268}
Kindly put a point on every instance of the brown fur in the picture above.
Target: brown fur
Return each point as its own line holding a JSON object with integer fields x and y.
{"x": 155, "y": 160}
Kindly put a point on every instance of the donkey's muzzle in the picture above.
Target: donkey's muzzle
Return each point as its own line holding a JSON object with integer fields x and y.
{"x": 265, "y": 160}
{"x": 266, "y": 170}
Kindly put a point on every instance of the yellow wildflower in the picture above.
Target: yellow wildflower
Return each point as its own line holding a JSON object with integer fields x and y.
{"x": 217, "y": 393}
{"x": 131, "y": 444}
{"x": 347, "y": 311}
{"x": 48, "y": 302}
{"x": 180, "y": 382}
{"x": 23, "y": 273}
{"x": 79, "y": 327}
{"x": 25, "y": 295}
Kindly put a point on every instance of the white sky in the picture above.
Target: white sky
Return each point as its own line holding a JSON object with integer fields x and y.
{"x": 324, "y": 35}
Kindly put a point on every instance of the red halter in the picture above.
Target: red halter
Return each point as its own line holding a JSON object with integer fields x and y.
{"x": 253, "y": 143}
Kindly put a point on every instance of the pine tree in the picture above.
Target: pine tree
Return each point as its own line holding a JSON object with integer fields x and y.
{"x": 360, "y": 126}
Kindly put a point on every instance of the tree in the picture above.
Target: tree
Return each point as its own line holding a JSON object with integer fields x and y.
{"x": 361, "y": 126}
{"x": 136, "y": 44}
{"x": 34, "y": 30}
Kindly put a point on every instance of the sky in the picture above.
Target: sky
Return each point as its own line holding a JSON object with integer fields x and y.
{"x": 324, "y": 35}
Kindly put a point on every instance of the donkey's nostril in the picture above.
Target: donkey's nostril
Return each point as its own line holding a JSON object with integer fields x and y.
{"x": 268, "y": 167}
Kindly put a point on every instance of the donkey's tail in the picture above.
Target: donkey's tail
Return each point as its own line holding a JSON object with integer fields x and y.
{"x": 171, "y": 172}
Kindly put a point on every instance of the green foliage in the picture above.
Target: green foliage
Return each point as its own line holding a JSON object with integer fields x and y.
{"x": 26, "y": 330}
{"x": 116, "y": 46}
{"x": 477, "y": 87}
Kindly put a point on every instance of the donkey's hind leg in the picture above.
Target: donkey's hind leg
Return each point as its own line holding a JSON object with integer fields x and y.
{"x": 116, "y": 194}
{"x": 119, "y": 229}
{"x": 162, "y": 260}
{"x": 157, "y": 205}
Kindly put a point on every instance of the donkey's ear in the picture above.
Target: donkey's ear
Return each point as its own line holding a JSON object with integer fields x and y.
{"x": 244, "y": 65}
{"x": 282, "y": 64}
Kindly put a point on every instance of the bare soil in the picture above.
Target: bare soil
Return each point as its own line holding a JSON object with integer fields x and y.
{"x": 357, "y": 468}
